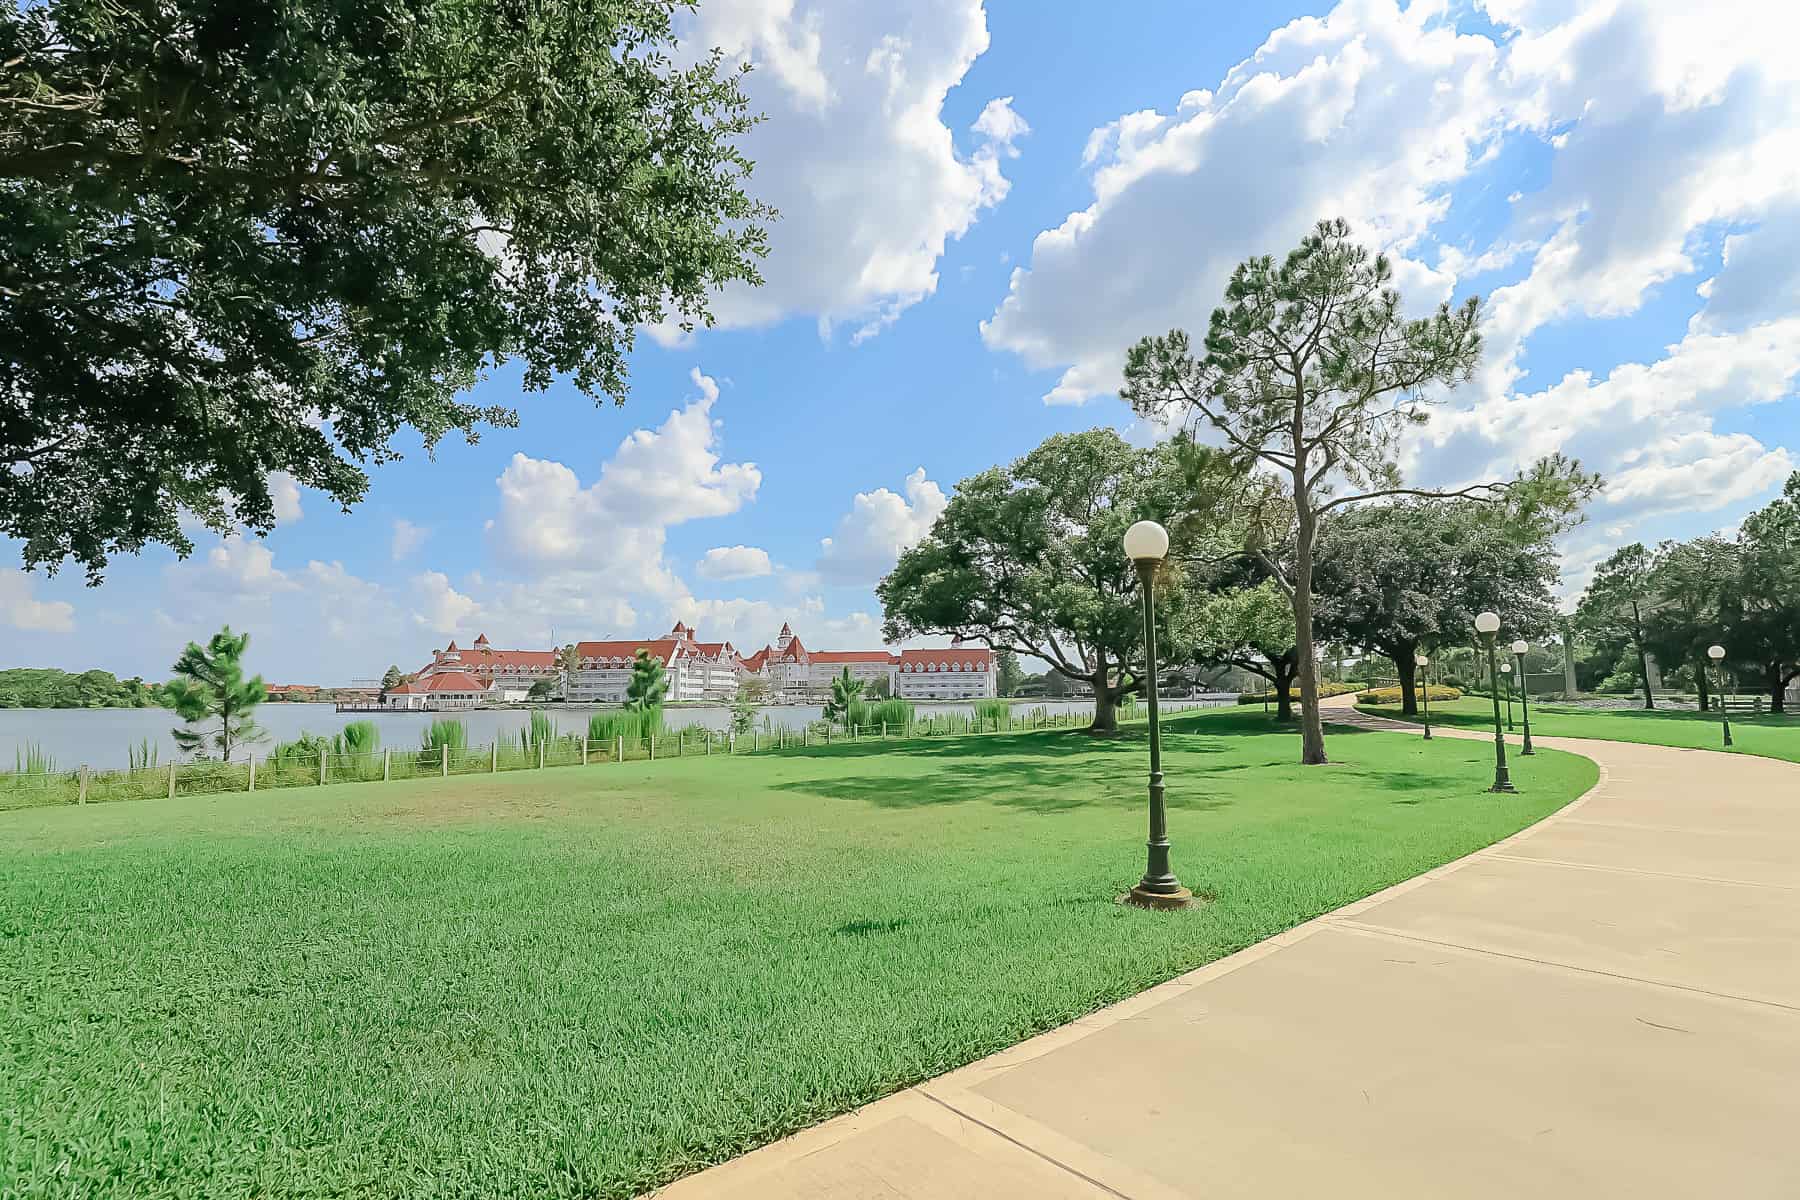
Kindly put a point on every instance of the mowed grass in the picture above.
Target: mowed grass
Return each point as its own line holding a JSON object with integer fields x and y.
{"x": 1769, "y": 736}
{"x": 585, "y": 982}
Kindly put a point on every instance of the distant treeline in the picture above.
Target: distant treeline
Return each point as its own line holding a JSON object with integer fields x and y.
{"x": 46, "y": 687}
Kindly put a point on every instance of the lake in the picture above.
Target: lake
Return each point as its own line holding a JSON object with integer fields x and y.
{"x": 100, "y": 737}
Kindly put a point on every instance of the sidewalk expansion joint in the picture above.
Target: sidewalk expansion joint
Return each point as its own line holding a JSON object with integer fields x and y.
{"x": 1025, "y": 1146}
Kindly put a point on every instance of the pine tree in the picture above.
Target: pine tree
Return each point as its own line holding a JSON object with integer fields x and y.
{"x": 648, "y": 683}
{"x": 846, "y": 690}
{"x": 392, "y": 679}
{"x": 210, "y": 686}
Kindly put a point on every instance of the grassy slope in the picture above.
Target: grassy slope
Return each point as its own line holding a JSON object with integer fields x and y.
{"x": 1769, "y": 736}
{"x": 585, "y": 982}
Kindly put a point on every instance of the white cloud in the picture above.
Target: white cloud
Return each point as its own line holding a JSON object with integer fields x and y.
{"x": 236, "y": 566}
{"x": 1369, "y": 113}
{"x": 407, "y": 538}
{"x": 879, "y": 526}
{"x": 439, "y": 607}
{"x": 284, "y": 490}
{"x": 855, "y": 153}
{"x": 723, "y": 563}
{"x": 21, "y": 609}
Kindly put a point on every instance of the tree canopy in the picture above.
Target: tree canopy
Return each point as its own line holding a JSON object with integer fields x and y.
{"x": 210, "y": 686}
{"x": 256, "y": 238}
{"x": 1030, "y": 558}
{"x": 648, "y": 684}
{"x": 1611, "y": 610}
{"x": 1249, "y": 627}
{"x": 1411, "y": 574}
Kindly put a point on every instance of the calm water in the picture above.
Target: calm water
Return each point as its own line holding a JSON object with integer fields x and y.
{"x": 99, "y": 737}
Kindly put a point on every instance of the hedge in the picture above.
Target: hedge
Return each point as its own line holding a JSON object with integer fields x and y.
{"x": 1391, "y": 695}
{"x": 1325, "y": 689}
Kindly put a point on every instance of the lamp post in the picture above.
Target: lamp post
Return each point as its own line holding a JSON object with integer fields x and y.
{"x": 1425, "y": 690}
{"x": 1487, "y": 624}
{"x": 1717, "y": 654}
{"x": 1145, "y": 544}
{"x": 1519, "y": 648}
{"x": 1506, "y": 670}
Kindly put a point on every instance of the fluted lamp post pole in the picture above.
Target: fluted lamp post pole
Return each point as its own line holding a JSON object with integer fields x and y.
{"x": 1487, "y": 624}
{"x": 1519, "y": 648}
{"x": 1506, "y": 670}
{"x": 1717, "y": 654}
{"x": 1425, "y": 689}
{"x": 1145, "y": 545}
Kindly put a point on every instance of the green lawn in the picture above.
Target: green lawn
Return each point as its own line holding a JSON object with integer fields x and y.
{"x": 1768, "y": 736}
{"x": 584, "y": 982}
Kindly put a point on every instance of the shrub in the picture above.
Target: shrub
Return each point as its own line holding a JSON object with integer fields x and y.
{"x": 358, "y": 737}
{"x": 993, "y": 712}
{"x": 1391, "y": 695}
{"x": 1325, "y": 689}
{"x": 537, "y": 729}
{"x": 443, "y": 733}
{"x": 632, "y": 724}
{"x": 891, "y": 712}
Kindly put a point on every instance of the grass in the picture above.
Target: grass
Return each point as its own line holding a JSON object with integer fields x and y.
{"x": 1768, "y": 736}
{"x": 587, "y": 982}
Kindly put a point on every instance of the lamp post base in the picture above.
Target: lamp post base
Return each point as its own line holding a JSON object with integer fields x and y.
{"x": 1504, "y": 785}
{"x": 1137, "y": 897}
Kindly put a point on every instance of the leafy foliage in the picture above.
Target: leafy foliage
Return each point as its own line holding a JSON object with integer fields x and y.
{"x": 46, "y": 687}
{"x": 1251, "y": 628}
{"x": 255, "y": 238}
{"x": 647, "y": 684}
{"x": 1611, "y": 610}
{"x": 846, "y": 690}
{"x": 209, "y": 685}
{"x": 1030, "y": 558}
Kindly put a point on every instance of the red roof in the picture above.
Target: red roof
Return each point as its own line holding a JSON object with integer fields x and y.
{"x": 448, "y": 681}
{"x": 662, "y": 649}
{"x": 958, "y": 658}
{"x": 482, "y": 656}
{"x": 853, "y": 656}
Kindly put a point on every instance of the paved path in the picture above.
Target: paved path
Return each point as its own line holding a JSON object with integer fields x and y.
{"x": 1606, "y": 1004}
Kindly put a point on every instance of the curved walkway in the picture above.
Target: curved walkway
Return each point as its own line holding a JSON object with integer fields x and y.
{"x": 1605, "y": 1004}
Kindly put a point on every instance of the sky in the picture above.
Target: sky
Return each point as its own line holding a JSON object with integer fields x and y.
{"x": 984, "y": 204}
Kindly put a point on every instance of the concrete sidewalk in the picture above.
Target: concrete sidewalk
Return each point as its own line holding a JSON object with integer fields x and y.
{"x": 1606, "y": 1004}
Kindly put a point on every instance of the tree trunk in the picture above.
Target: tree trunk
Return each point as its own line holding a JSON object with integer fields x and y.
{"x": 1408, "y": 671}
{"x": 1312, "y": 729}
{"x": 1700, "y": 684}
{"x": 1777, "y": 689}
{"x": 1637, "y": 639}
{"x": 1106, "y": 702}
{"x": 1284, "y": 689}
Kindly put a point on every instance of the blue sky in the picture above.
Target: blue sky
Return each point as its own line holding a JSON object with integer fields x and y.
{"x": 984, "y": 205}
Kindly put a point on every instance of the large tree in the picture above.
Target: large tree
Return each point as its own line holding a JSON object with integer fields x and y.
{"x": 1030, "y": 558}
{"x": 1611, "y": 610}
{"x": 1766, "y": 633}
{"x": 210, "y": 686}
{"x": 1310, "y": 370}
{"x": 1692, "y": 586}
{"x": 254, "y": 238}
{"x": 1411, "y": 574}
{"x": 1247, "y": 627}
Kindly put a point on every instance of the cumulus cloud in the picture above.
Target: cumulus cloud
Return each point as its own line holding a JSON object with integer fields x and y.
{"x": 284, "y": 490}
{"x": 439, "y": 607}
{"x": 879, "y": 526}
{"x": 236, "y": 566}
{"x": 855, "y": 153}
{"x": 21, "y": 609}
{"x": 406, "y": 539}
{"x": 723, "y": 563}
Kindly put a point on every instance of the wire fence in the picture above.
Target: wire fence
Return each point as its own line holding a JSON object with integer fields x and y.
{"x": 26, "y": 789}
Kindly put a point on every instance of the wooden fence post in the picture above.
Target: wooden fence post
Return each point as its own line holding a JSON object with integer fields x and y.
{"x": 387, "y": 763}
{"x": 653, "y": 747}
{"x": 584, "y": 743}
{"x": 171, "y": 781}
{"x": 84, "y": 783}
{"x": 540, "y": 754}
{"x": 621, "y": 749}
{"x": 494, "y": 757}
{"x": 444, "y": 761}
{"x": 252, "y": 786}
{"x": 322, "y": 758}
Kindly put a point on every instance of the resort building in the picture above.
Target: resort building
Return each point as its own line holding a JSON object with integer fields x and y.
{"x": 512, "y": 672}
{"x": 694, "y": 670}
{"x": 441, "y": 689}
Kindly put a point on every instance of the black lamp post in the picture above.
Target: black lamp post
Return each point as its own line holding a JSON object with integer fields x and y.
{"x": 1717, "y": 654}
{"x": 1519, "y": 648}
{"x": 1145, "y": 545}
{"x": 1425, "y": 690}
{"x": 1506, "y": 670}
{"x": 1487, "y": 624}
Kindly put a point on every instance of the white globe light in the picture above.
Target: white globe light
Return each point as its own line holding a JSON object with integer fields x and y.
{"x": 1506, "y": 668}
{"x": 1520, "y": 646}
{"x": 1715, "y": 652}
{"x": 1422, "y": 661}
{"x": 1146, "y": 541}
{"x": 1487, "y": 622}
